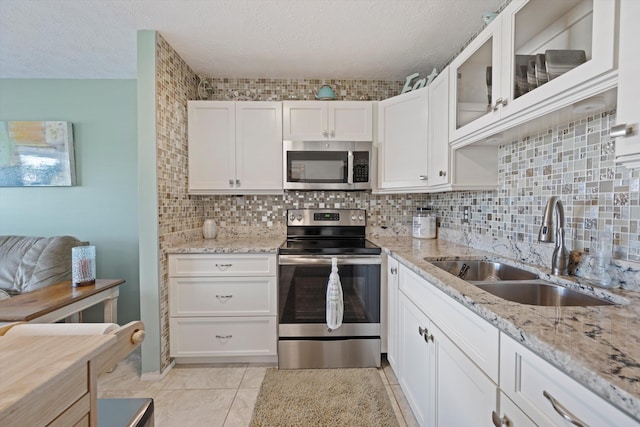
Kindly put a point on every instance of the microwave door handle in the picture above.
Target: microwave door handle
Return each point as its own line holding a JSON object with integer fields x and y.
{"x": 350, "y": 167}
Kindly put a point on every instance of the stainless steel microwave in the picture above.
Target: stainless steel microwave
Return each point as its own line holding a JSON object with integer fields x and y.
{"x": 327, "y": 165}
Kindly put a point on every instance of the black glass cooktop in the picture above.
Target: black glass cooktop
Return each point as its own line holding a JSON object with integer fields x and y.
{"x": 329, "y": 246}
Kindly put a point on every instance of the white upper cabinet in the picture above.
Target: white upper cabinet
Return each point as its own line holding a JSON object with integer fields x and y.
{"x": 535, "y": 58}
{"x": 235, "y": 147}
{"x": 212, "y": 135}
{"x": 438, "y": 124}
{"x": 628, "y": 112}
{"x": 328, "y": 120}
{"x": 403, "y": 142}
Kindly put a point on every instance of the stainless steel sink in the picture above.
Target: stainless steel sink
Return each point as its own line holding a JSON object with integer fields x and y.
{"x": 517, "y": 285}
{"x": 539, "y": 292}
{"x": 476, "y": 270}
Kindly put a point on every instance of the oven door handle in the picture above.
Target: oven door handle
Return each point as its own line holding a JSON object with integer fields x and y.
{"x": 326, "y": 259}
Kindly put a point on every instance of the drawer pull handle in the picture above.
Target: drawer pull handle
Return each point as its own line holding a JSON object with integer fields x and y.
{"x": 223, "y": 266}
{"x": 224, "y": 298}
{"x": 564, "y": 412}
{"x": 224, "y": 337}
{"x": 500, "y": 422}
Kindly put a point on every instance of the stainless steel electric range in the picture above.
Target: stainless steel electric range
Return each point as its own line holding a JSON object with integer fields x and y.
{"x": 314, "y": 238}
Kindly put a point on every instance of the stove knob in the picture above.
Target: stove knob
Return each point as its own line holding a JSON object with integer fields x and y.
{"x": 361, "y": 218}
{"x": 353, "y": 217}
{"x": 299, "y": 217}
{"x": 292, "y": 217}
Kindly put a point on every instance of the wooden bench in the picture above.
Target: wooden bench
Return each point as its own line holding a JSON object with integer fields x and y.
{"x": 62, "y": 301}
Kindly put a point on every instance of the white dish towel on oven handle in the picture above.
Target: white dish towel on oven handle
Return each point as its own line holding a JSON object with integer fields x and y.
{"x": 335, "y": 304}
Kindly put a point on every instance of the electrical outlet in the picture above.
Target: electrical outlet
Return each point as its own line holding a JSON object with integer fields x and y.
{"x": 466, "y": 214}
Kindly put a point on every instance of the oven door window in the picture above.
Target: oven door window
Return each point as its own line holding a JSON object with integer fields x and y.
{"x": 317, "y": 166}
{"x": 302, "y": 293}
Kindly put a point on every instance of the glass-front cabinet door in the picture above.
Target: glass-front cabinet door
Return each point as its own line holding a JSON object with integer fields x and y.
{"x": 552, "y": 54}
{"x": 474, "y": 83}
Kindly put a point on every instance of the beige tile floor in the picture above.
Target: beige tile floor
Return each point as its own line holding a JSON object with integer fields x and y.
{"x": 213, "y": 395}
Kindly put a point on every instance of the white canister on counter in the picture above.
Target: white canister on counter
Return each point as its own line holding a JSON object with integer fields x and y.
{"x": 424, "y": 224}
{"x": 209, "y": 229}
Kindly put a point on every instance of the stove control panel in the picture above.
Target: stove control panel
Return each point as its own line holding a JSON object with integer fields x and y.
{"x": 326, "y": 217}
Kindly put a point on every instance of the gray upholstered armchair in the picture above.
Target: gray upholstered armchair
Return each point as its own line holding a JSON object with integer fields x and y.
{"x": 30, "y": 263}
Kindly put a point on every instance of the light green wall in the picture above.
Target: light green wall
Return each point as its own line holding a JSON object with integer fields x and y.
{"x": 148, "y": 199}
{"x": 103, "y": 207}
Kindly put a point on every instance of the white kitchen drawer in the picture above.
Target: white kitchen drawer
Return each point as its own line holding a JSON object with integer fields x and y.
{"x": 478, "y": 339}
{"x": 191, "y": 265}
{"x": 525, "y": 376}
{"x": 218, "y": 336}
{"x": 222, "y": 296}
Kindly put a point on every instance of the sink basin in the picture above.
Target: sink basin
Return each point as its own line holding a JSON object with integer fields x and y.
{"x": 517, "y": 285}
{"x": 538, "y": 292}
{"x": 476, "y": 270}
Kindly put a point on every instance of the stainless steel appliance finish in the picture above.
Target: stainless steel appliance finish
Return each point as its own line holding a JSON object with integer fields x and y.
{"x": 314, "y": 238}
{"x": 327, "y": 165}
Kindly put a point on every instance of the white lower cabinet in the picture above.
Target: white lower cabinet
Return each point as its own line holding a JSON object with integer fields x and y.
{"x": 392, "y": 311}
{"x": 443, "y": 386}
{"x": 456, "y": 369}
{"x": 222, "y": 305}
{"x": 548, "y": 396}
{"x": 510, "y": 415}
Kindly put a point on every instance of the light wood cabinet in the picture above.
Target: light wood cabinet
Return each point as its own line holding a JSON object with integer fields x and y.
{"x": 547, "y": 395}
{"x": 628, "y": 111}
{"x": 222, "y": 306}
{"x": 328, "y": 120}
{"x": 491, "y": 91}
{"x": 403, "y": 142}
{"x": 235, "y": 147}
{"x": 60, "y": 390}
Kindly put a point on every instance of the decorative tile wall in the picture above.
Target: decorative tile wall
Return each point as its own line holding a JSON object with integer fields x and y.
{"x": 229, "y": 89}
{"x": 574, "y": 161}
{"x": 177, "y": 212}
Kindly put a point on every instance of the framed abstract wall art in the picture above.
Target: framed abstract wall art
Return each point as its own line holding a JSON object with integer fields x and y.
{"x": 34, "y": 153}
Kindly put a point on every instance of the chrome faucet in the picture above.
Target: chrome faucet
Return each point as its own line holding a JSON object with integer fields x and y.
{"x": 552, "y": 230}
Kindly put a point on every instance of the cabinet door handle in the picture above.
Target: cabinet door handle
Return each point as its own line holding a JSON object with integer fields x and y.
{"x": 231, "y": 182}
{"x": 223, "y": 266}
{"x": 422, "y": 177}
{"x": 425, "y": 334}
{"x": 442, "y": 173}
{"x": 394, "y": 270}
{"x": 499, "y": 102}
{"x": 500, "y": 422}
{"x": 224, "y": 298}
{"x": 332, "y": 133}
{"x": 238, "y": 182}
{"x": 325, "y": 133}
{"x": 564, "y": 412}
{"x": 621, "y": 130}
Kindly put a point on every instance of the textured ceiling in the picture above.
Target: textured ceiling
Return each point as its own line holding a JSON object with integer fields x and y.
{"x": 330, "y": 39}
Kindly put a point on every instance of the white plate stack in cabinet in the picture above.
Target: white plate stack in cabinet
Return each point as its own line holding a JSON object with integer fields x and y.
{"x": 222, "y": 307}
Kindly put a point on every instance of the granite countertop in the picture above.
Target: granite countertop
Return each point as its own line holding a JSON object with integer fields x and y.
{"x": 598, "y": 346}
{"x": 229, "y": 245}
